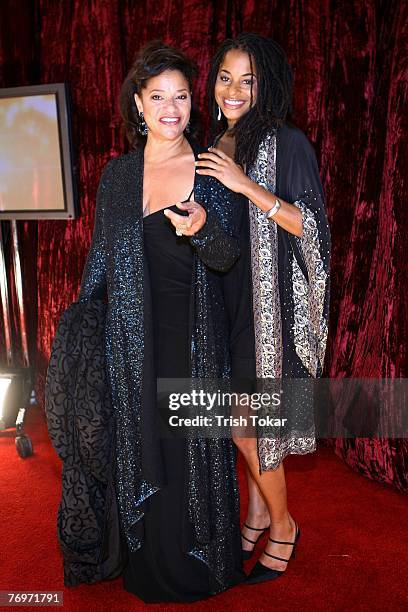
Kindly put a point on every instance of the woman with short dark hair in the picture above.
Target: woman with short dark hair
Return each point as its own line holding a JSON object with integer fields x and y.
{"x": 285, "y": 286}
{"x": 178, "y": 497}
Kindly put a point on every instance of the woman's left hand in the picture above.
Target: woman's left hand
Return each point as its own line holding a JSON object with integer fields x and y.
{"x": 187, "y": 226}
{"x": 215, "y": 162}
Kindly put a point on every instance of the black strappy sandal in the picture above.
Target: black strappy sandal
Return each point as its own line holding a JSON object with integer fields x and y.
{"x": 262, "y": 573}
{"x": 247, "y": 554}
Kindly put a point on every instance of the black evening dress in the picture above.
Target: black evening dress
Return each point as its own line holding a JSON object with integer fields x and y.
{"x": 161, "y": 570}
{"x": 237, "y": 290}
{"x": 177, "y": 501}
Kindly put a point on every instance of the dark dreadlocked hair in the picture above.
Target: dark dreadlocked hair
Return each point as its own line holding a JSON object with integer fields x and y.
{"x": 273, "y": 103}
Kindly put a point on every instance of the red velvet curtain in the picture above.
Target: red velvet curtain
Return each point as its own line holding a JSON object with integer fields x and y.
{"x": 350, "y": 99}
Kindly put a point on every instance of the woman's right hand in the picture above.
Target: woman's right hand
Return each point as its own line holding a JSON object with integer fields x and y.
{"x": 187, "y": 226}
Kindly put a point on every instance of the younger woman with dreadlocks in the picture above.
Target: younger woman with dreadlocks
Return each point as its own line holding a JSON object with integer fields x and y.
{"x": 279, "y": 330}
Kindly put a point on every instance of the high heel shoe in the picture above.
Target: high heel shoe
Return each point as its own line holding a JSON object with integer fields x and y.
{"x": 262, "y": 573}
{"x": 247, "y": 554}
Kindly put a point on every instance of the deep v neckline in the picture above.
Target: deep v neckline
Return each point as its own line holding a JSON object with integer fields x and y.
{"x": 170, "y": 207}
{"x": 193, "y": 150}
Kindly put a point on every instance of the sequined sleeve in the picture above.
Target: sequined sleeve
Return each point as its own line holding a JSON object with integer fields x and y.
{"x": 93, "y": 283}
{"x": 311, "y": 280}
{"x": 217, "y": 243}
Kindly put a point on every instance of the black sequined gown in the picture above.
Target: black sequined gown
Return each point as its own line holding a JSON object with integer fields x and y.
{"x": 162, "y": 570}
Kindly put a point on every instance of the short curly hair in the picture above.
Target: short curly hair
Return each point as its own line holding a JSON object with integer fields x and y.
{"x": 153, "y": 59}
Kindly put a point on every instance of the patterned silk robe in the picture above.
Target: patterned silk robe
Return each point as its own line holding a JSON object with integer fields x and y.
{"x": 290, "y": 277}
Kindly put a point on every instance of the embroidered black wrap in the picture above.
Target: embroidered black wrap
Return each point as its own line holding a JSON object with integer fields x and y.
{"x": 81, "y": 425}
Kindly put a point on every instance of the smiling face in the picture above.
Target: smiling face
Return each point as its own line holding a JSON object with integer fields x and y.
{"x": 233, "y": 85}
{"x": 166, "y": 104}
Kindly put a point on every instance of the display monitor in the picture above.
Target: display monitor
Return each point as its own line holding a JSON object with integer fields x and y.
{"x": 37, "y": 172}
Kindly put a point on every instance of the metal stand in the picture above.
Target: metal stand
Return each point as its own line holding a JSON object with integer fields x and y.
{"x": 23, "y": 443}
{"x": 5, "y": 300}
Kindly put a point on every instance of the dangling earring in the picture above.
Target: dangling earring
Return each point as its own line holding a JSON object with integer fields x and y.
{"x": 142, "y": 125}
{"x": 188, "y": 127}
{"x": 219, "y": 114}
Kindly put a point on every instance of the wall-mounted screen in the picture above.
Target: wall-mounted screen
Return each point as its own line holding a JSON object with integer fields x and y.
{"x": 36, "y": 163}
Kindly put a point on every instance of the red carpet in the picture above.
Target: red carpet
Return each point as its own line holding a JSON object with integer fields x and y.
{"x": 352, "y": 554}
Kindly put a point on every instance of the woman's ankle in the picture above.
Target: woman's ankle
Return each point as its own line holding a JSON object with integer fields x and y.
{"x": 258, "y": 518}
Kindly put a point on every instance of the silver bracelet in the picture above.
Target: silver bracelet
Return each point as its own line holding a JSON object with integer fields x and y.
{"x": 271, "y": 212}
